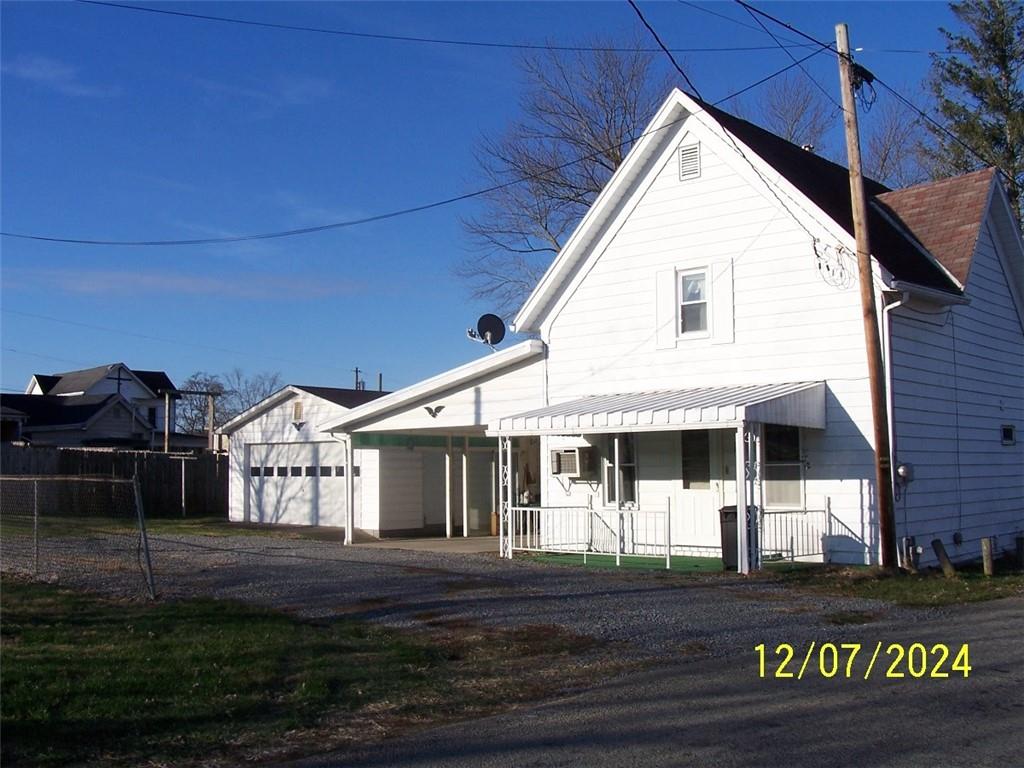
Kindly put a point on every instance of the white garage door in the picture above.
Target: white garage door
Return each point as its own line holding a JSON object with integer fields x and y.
{"x": 297, "y": 483}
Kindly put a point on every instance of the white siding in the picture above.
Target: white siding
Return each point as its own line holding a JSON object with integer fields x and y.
{"x": 789, "y": 325}
{"x": 271, "y": 427}
{"x": 957, "y": 378}
{"x": 477, "y": 403}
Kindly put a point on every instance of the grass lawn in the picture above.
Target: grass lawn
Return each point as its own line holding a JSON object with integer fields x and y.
{"x": 64, "y": 527}
{"x": 923, "y": 589}
{"x": 680, "y": 563}
{"x": 203, "y": 681}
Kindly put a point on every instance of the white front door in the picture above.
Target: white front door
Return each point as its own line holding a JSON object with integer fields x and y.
{"x": 695, "y": 529}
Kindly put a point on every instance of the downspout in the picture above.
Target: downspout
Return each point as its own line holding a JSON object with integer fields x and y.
{"x": 889, "y": 399}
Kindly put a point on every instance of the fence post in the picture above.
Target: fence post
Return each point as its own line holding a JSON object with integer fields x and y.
{"x": 35, "y": 527}
{"x": 144, "y": 539}
{"x": 590, "y": 526}
{"x": 668, "y": 535}
{"x": 183, "y": 486}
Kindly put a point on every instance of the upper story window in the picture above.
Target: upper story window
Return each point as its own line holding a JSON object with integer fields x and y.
{"x": 297, "y": 410}
{"x": 693, "y": 302}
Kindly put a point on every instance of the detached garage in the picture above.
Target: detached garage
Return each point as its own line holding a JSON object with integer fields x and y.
{"x": 284, "y": 471}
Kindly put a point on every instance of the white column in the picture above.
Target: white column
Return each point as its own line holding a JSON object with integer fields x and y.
{"x": 350, "y": 489}
{"x": 743, "y": 560}
{"x": 448, "y": 488}
{"x": 509, "y": 496}
{"x": 465, "y": 486}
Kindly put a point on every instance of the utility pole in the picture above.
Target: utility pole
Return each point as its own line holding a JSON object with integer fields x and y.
{"x": 209, "y": 418}
{"x": 167, "y": 420}
{"x": 849, "y": 78}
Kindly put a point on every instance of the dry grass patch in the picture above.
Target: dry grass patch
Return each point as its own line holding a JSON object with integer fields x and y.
{"x": 89, "y": 680}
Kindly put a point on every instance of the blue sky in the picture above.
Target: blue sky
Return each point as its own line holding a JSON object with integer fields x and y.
{"x": 119, "y": 124}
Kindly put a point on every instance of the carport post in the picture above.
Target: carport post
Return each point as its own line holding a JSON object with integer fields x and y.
{"x": 742, "y": 557}
{"x": 499, "y": 486}
{"x": 350, "y": 517}
{"x": 448, "y": 487}
{"x": 465, "y": 486}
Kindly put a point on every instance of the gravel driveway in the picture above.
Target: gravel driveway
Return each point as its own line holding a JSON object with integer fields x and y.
{"x": 642, "y": 613}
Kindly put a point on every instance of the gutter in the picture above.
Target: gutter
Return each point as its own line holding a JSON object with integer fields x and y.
{"x": 350, "y": 506}
{"x": 910, "y": 290}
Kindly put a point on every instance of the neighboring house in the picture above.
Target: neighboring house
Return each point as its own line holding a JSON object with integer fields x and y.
{"x": 63, "y": 408}
{"x": 282, "y": 470}
{"x": 699, "y": 345}
{"x": 78, "y": 420}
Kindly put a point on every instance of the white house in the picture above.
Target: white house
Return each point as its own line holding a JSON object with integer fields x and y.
{"x": 281, "y": 468}
{"x": 109, "y": 405}
{"x": 698, "y": 344}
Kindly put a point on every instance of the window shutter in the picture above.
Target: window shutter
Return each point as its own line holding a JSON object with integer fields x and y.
{"x": 666, "y": 309}
{"x": 722, "y": 302}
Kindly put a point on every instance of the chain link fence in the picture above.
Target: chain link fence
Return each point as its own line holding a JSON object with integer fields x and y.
{"x": 87, "y": 531}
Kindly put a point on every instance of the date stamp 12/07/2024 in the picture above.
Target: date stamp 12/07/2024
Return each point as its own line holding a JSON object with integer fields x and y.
{"x": 847, "y": 661}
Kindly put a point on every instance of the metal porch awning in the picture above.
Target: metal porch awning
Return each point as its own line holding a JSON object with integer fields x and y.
{"x": 797, "y": 404}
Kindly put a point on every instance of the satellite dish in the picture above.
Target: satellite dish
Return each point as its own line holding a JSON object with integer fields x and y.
{"x": 490, "y": 329}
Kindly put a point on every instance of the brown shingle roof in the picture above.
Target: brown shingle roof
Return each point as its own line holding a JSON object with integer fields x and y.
{"x": 945, "y": 216}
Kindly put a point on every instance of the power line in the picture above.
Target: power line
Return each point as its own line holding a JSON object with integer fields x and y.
{"x": 43, "y": 357}
{"x": 663, "y": 47}
{"x": 382, "y": 216}
{"x": 881, "y": 82}
{"x": 162, "y": 339}
{"x": 412, "y": 39}
{"x": 791, "y": 56}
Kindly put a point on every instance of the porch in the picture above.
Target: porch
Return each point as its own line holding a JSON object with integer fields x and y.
{"x": 654, "y": 474}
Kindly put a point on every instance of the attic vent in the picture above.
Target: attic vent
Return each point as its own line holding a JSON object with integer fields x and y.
{"x": 689, "y": 162}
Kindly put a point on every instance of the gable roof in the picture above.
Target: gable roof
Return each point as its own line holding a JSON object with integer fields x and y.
{"x": 470, "y": 371}
{"x": 945, "y": 216}
{"x": 69, "y": 382}
{"x": 156, "y": 382}
{"x": 349, "y": 398}
{"x": 822, "y": 182}
{"x": 57, "y": 410}
{"x": 346, "y": 398}
{"x": 827, "y": 185}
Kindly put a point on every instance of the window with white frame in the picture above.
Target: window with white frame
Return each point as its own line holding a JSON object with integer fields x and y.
{"x": 626, "y": 466}
{"x": 693, "y": 302}
{"x": 783, "y": 467}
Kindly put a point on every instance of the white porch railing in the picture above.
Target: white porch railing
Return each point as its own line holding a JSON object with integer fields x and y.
{"x": 587, "y": 531}
{"x": 793, "y": 534}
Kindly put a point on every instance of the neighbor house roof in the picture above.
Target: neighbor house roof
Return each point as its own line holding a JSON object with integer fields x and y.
{"x": 349, "y": 398}
{"x": 945, "y": 216}
{"x": 69, "y": 382}
{"x": 55, "y": 410}
{"x": 156, "y": 381}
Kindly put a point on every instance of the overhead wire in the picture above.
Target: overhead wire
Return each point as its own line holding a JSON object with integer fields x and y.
{"x": 664, "y": 48}
{"x": 922, "y": 113}
{"x": 410, "y": 38}
{"x": 383, "y": 216}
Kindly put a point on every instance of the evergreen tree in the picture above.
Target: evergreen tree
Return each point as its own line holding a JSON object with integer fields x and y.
{"x": 978, "y": 93}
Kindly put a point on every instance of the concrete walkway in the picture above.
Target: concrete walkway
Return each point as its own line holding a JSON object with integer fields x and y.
{"x": 471, "y": 545}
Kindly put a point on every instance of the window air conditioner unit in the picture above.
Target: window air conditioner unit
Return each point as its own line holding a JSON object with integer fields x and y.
{"x": 571, "y": 462}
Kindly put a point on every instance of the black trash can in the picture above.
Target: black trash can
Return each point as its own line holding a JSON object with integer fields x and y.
{"x": 730, "y": 556}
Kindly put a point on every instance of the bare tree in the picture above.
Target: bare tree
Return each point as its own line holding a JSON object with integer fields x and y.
{"x": 892, "y": 153}
{"x": 793, "y": 108}
{"x": 191, "y": 410}
{"x": 242, "y": 391}
{"x": 580, "y": 115}
{"x": 235, "y": 391}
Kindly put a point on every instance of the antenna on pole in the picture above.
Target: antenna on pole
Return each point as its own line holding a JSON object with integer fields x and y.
{"x": 851, "y": 77}
{"x": 360, "y": 383}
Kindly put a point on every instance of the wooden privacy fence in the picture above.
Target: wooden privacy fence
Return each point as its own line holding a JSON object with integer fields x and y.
{"x": 172, "y": 484}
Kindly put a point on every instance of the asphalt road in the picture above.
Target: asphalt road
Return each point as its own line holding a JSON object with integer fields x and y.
{"x": 717, "y": 712}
